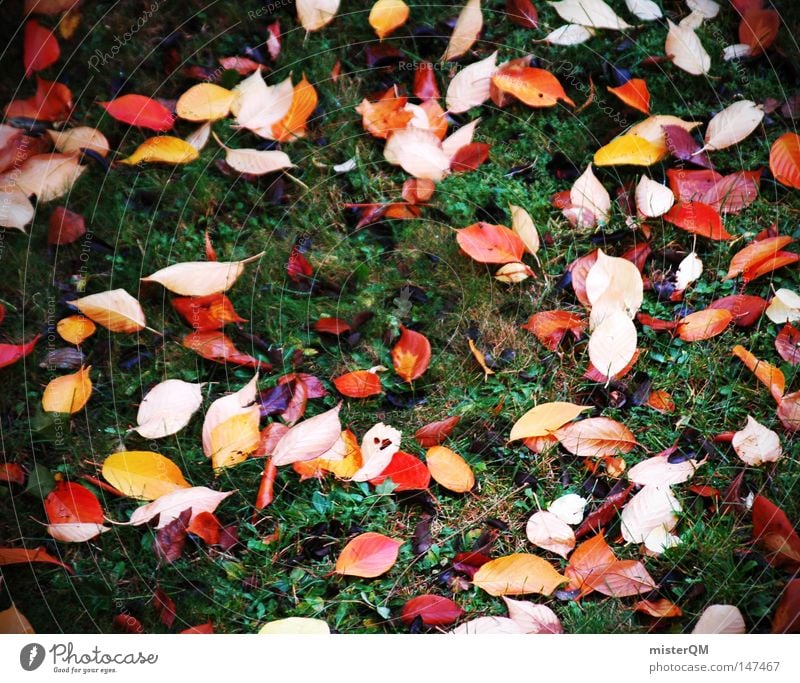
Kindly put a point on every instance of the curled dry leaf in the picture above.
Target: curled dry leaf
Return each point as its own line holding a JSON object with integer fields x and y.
{"x": 143, "y": 475}
{"x": 720, "y": 619}
{"x": 547, "y": 531}
{"x": 116, "y": 310}
{"x": 449, "y": 469}
{"x": 169, "y": 506}
{"x": 68, "y": 393}
{"x": 200, "y": 278}
{"x": 652, "y": 507}
{"x": 471, "y": 86}
{"x": 518, "y": 574}
{"x": 309, "y": 439}
{"x": 755, "y": 444}
{"x": 465, "y": 33}
{"x": 411, "y": 355}
{"x": 368, "y": 555}
{"x": 167, "y": 408}
{"x": 378, "y": 447}
{"x": 163, "y": 149}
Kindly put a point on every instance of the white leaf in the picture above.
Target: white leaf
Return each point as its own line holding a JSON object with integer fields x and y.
{"x": 733, "y": 124}
{"x": 736, "y": 51}
{"x": 167, "y": 408}
{"x": 755, "y": 444}
{"x": 588, "y": 193}
{"x": 76, "y": 139}
{"x": 309, "y": 439}
{"x": 569, "y": 34}
{"x": 522, "y": 224}
{"x": 345, "y": 166}
{"x": 568, "y": 508}
{"x": 594, "y": 13}
{"x": 418, "y": 152}
{"x": 471, "y": 86}
{"x": 378, "y": 447}
{"x": 533, "y": 618}
{"x": 720, "y": 619}
{"x": 316, "y": 14}
{"x": 463, "y": 136}
{"x": 646, "y": 10}
{"x": 546, "y": 530}
{"x": 296, "y": 626}
{"x": 488, "y": 626}
{"x": 618, "y": 277}
{"x": 613, "y": 344}
{"x": 660, "y": 540}
{"x": 659, "y": 471}
{"x": 16, "y": 210}
{"x": 115, "y": 310}
{"x": 784, "y": 307}
{"x": 200, "y": 278}
{"x": 240, "y": 402}
{"x": 257, "y": 161}
{"x": 652, "y": 198}
{"x": 48, "y": 176}
{"x": 652, "y": 507}
{"x": 259, "y": 106}
{"x": 685, "y": 50}
{"x": 692, "y": 21}
{"x": 170, "y": 505}
{"x": 76, "y": 532}
{"x": 465, "y": 32}
{"x": 689, "y": 270}
{"x": 707, "y": 8}
{"x": 198, "y": 138}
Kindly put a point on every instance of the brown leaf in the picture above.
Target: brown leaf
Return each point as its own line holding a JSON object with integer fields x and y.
{"x": 171, "y": 539}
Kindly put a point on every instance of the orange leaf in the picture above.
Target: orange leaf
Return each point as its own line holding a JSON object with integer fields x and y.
{"x": 634, "y": 93}
{"x": 26, "y": 556}
{"x": 621, "y": 579}
{"x": 368, "y": 555}
{"x": 266, "y": 488}
{"x": 210, "y": 312}
{"x": 593, "y": 556}
{"x": 449, "y": 469}
{"x": 139, "y": 110}
{"x": 216, "y": 346}
{"x": 68, "y": 393}
{"x": 332, "y": 326}
{"x": 784, "y": 160}
{"x": 756, "y": 253}
{"x": 41, "y": 48}
{"x": 704, "y": 324}
{"x": 487, "y": 243}
{"x": 787, "y": 613}
{"x": 469, "y": 157}
{"x": 52, "y": 102}
{"x": 532, "y": 86}
{"x": 661, "y": 401}
{"x": 386, "y": 16}
{"x": 596, "y": 436}
{"x": 293, "y": 125}
{"x": 661, "y": 608}
{"x": 359, "y": 384}
{"x": 778, "y": 260}
{"x": 383, "y": 117}
{"x": 434, "y": 433}
{"x": 767, "y": 374}
{"x": 75, "y": 328}
{"x": 699, "y": 219}
{"x": 411, "y": 355}
{"x": 518, "y": 574}
{"x": 407, "y": 472}
{"x": 550, "y": 327}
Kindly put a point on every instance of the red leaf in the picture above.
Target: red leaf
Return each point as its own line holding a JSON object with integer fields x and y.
{"x": 12, "y": 472}
{"x": 241, "y": 65}
{"x": 274, "y": 40}
{"x": 487, "y": 243}
{"x": 550, "y": 327}
{"x": 266, "y": 489}
{"x": 65, "y": 226}
{"x": 656, "y": 323}
{"x": 469, "y": 157}
{"x": 205, "y": 313}
{"x": 434, "y": 433}
{"x": 425, "y": 86}
{"x": 411, "y": 355}
{"x": 434, "y": 610}
{"x": 165, "y": 606}
{"x": 211, "y": 254}
{"x": 27, "y": 556}
{"x": 70, "y": 503}
{"x": 359, "y": 384}
{"x": 313, "y": 385}
{"x": 41, "y": 48}
{"x": 599, "y": 518}
{"x": 368, "y": 555}
{"x": 733, "y": 192}
{"x": 298, "y": 268}
{"x": 216, "y": 346}
{"x": 406, "y": 471}
{"x": 11, "y": 353}
{"x": 746, "y": 308}
{"x": 139, "y": 110}
{"x": 634, "y": 93}
{"x": 332, "y": 326}
{"x": 787, "y": 614}
{"x": 758, "y": 29}
{"x": 690, "y": 185}
{"x": 207, "y": 627}
{"x": 788, "y": 344}
{"x": 784, "y": 160}
{"x": 171, "y": 539}
{"x": 773, "y": 531}
{"x": 699, "y": 219}
{"x": 206, "y": 526}
{"x": 522, "y": 13}
{"x": 127, "y": 623}
{"x": 682, "y": 145}
{"x": 52, "y": 102}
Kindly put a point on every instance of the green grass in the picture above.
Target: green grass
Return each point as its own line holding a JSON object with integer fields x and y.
{"x": 151, "y": 217}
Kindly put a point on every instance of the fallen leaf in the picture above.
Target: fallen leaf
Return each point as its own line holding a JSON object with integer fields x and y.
{"x": 704, "y": 324}
{"x": 733, "y": 124}
{"x": 634, "y": 93}
{"x": 163, "y": 149}
{"x": 40, "y": 48}
{"x": 434, "y": 610}
{"x": 449, "y": 469}
{"x": 205, "y": 102}
{"x": 684, "y": 50}
{"x": 465, "y": 33}
{"x": 770, "y": 376}
{"x": 296, "y": 626}
{"x": 720, "y": 619}
{"x": 141, "y": 111}
{"x": 386, "y": 16}
{"x": 487, "y": 243}
{"x": 518, "y": 574}
{"x": 544, "y": 419}
{"x": 358, "y": 384}
{"x": 411, "y": 355}
{"x": 546, "y": 530}
{"x": 316, "y": 14}
{"x": 68, "y": 393}
{"x": 755, "y": 444}
{"x": 434, "y": 433}
{"x": 471, "y": 86}
{"x": 378, "y": 447}
{"x": 784, "y": 160}
{"x": 787, "y": 344}
{"x": 143, "y": 475}
{"x": 699, "y": 219}
{"x": 368, "y": 555}
{"x": 652, "y": 507}
{"x": 169, "y": 506}
{"x": 532, "y": 618}
{"x": 407, "y": 472}
{"x": 200, "y": 278}
{"x": 309, "y": 439}
{"x": 116, "y": 310}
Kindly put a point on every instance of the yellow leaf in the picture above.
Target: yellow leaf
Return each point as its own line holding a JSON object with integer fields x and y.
{"x": 386, "y": 16}
{"x": 631, "y": 150}
{"x": 143, "y": 475}
{"x": 205, "y": 102}
{"x": 115, "y": 310}
{"x": 75, "y": 329}
{"x": 163, "y": 149}
{"x": 68, "y": 394}
{"x": 518, "y": 574}
{"x": 235, "y": 439}
{"x": 545, "y": 419}
{"x": 293, "y": 125}
{"x": 465, "y": 33}
{"x": 298, "y": 626}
